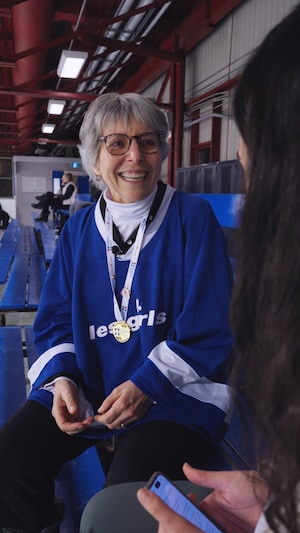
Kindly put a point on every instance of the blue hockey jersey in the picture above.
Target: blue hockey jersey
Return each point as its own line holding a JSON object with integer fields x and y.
{"x": 180, "y": 341}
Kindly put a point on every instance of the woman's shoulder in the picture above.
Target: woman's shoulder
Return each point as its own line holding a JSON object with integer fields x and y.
{"x": 192, "y": 204}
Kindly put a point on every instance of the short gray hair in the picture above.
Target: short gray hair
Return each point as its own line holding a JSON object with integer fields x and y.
{"x": 112, "y": 107}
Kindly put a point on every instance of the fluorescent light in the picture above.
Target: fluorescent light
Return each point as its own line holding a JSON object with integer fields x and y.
{"x": 48, "y": 128}
{"x": 56, "y": 107}
{"x": 70, "y": 63}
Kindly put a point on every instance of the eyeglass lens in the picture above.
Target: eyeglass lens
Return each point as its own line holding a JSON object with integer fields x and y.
{"x": 119, "y": 143}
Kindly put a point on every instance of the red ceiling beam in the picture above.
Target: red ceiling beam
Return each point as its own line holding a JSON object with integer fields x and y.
{"x": 40, "y": 93}
{"x": 8, "y": 110}
{"x": 138, "y": 49}
{"x": 202, "y": 21}
{"x": 93, "y": 39}
{"x": 194, "y": 29}
{"x": 7, "y": 64}
{"x": 20, "y": 140}
{"x": 62, "y": 13}
{"x": 53, "y": 141}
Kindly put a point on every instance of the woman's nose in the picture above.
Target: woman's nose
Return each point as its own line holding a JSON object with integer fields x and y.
{"x": 134, "y": 152}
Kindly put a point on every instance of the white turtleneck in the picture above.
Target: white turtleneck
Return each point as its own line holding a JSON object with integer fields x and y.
{"x": 128, "y": 216}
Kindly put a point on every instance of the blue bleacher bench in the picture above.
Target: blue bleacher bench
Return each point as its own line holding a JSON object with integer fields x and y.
{"x": 227, "y": 208}
{"x": 8, "y": 246}
{"x": 84, "y": 197}
{"x": 11, "y": 232}
{"x": 22, "y": 272}
{"x": 24, "y": 282}
{"x": 64, "y": 214}
{"x": 47, "y": 237}
{"x": 12, "y": 376}
{"x": 7, "y": 251}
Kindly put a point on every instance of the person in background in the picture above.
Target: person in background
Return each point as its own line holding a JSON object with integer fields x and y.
{"x": 61, "y": 200}
{"x": 266, "y": 302}
{"x": 4, "y": 218}
{"x": 132, "y": 328}
{"x": 95, "y": 193}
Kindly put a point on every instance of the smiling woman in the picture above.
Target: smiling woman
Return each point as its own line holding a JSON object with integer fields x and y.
{"x": 130, "y": 165}
{"x": 132, "y": 133}
{"x": 132, "y": 328}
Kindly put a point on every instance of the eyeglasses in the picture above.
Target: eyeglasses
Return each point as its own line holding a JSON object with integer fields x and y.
{"x": 119, "y": 143}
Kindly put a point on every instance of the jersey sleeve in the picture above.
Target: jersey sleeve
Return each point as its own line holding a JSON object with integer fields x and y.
{"x": 188, "y": 372}
{"x": 53, "y": 323}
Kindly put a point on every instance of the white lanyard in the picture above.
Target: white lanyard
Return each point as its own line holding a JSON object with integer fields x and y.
{"x": 121, "y": 314}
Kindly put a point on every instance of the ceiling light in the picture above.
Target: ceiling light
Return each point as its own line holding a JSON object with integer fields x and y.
{"x": 55, "y": 107}
{"x": 48, "y": 128}
{"x": 70, "y": 63}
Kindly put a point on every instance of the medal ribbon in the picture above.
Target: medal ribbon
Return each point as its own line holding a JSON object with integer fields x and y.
{"x": 121, "y": 314}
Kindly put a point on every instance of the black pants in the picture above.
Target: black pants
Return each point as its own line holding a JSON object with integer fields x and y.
{"x": 4, "y": 219}
{"x": 33, "y": 450}
{"x": 47, "y": 201}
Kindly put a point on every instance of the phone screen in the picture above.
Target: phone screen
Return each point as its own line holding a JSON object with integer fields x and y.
{"x": 175, "y": 499}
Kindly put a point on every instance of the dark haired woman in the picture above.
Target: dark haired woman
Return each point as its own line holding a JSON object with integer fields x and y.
{"x": 266, "y": 302}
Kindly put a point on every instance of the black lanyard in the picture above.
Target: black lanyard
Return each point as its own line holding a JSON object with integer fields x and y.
{"x": 123, "y": 246}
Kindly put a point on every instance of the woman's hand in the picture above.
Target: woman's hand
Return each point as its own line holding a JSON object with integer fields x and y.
{"x": 169, "y": 521}
{"x": 124, "y": 405}
{"x": 238, "y": 498}
{"x": 65, "y": 408}
{"x": 235, "y": 505}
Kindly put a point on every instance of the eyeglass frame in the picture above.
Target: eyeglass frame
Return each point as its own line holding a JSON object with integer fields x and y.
{"x": 159, "y": 135}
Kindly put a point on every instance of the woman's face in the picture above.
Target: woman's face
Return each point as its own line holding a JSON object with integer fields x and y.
{"x": 133, "y": 176}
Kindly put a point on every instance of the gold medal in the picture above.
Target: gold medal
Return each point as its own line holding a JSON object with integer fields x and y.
{"x": 121, "y": 331}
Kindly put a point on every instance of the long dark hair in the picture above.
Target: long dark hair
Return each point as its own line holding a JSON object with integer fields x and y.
{"x": 266, "y": 299}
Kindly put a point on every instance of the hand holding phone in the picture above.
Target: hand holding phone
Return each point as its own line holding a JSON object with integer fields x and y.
{"x": 176, "y": 500}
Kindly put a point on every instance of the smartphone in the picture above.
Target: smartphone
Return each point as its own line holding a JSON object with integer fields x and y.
{"x": 179, "y": 502}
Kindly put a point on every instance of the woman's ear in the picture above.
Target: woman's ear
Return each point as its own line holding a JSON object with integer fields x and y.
{"x": 97, "y": 171}
{"x": 243, "y": 156}
{"x": 242, "y": 153}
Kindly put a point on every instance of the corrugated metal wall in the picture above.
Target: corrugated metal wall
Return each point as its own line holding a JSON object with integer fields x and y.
{"x": 220, "y": 57}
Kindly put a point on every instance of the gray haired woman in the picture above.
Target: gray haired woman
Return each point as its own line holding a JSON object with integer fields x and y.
{"x": 132, "y": 329}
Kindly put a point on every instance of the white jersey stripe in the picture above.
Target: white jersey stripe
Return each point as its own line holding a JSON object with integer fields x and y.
{"x": 42, "y": 361}
{"x": 186, "y": 380}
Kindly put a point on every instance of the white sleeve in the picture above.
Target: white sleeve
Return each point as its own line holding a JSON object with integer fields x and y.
{"x": 262, "y": 526}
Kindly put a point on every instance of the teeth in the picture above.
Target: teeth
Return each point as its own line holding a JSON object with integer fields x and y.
{"x": 133, "y": 175}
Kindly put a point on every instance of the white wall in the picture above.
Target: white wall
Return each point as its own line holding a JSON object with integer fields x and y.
{"x": 9, "y": 205}
{"x": 221, "y": 56}
{"x": 33, "y": 176}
